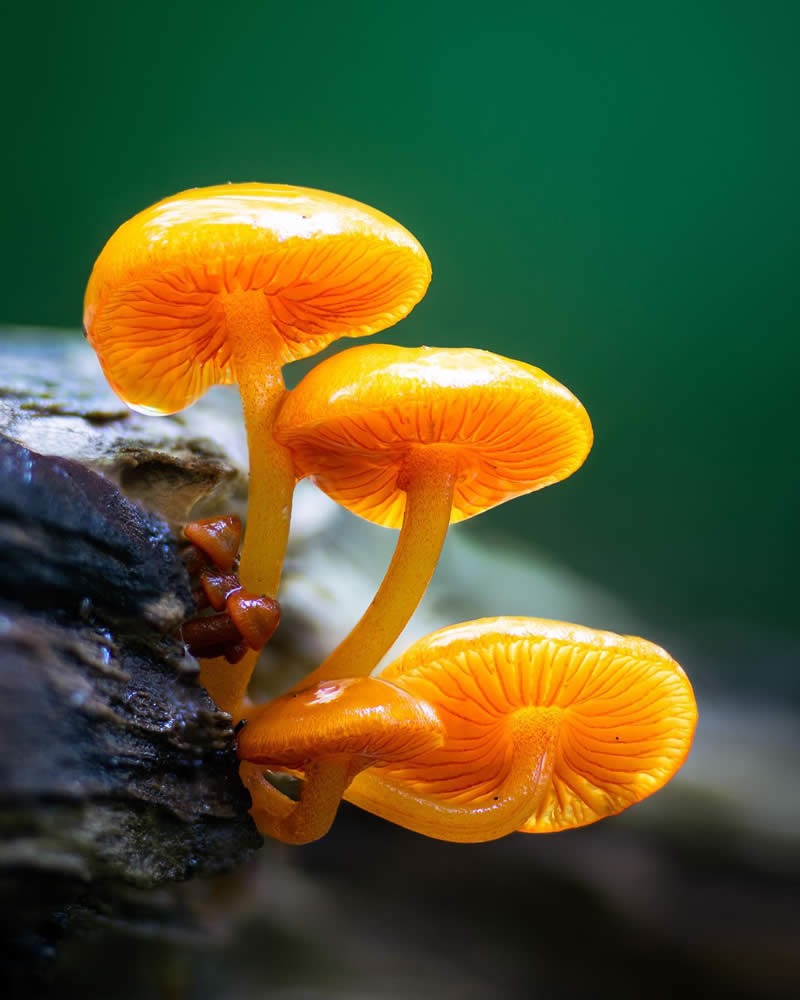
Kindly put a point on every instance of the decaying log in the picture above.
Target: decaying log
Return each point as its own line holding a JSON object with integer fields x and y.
{"x": 116, "y": 769}
{"x": 54, "y": 400}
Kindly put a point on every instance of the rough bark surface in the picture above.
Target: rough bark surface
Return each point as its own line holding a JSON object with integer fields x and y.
{"x": 116, "y": 770}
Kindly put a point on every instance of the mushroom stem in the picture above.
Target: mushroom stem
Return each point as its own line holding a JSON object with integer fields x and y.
{"x": 309, "y": 819}
{"x": 257, "y": 354}
{"x": 466, "y": 819}
{"x": 429, "y": 502}
{"x": 227, "y": 682}
{"x": 256, "y": 351}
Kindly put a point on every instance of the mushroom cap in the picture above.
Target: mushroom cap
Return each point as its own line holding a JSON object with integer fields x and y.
{"x": 329, "y": 267}
{"x": 622, "y": 709}
{"x": 361, "y": 716}
{"x": 352, "y": 422}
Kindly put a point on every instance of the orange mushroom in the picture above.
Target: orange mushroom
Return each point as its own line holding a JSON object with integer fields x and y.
{"x": 421, "y": 438}
{"x": 547, "y": 726}
{"x": 226, "y": 284}
{"x": 330, "y": 732}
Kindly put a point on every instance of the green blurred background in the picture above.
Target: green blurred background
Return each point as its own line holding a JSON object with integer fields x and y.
{"x": 608, "y": 191}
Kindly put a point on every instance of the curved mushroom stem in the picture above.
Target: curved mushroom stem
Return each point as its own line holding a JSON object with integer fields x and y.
{"x": 256, "y": 351}
{"x": 468, "y": 821}
{"x": 309, "y": 819}
{"x": 429, "y": 503}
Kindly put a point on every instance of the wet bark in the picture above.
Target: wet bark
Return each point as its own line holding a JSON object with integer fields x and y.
{"x": 117, "y": 772}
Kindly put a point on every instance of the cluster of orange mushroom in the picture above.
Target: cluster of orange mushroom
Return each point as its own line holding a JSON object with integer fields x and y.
{"x": 478, "y": 730}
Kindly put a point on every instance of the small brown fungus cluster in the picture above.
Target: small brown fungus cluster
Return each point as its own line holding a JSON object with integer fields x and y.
{"x": 243, "y": 621}
{"x": 478, "y": 730}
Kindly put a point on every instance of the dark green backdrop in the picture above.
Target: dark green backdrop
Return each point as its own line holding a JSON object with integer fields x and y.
{"x": 608, "y": 191}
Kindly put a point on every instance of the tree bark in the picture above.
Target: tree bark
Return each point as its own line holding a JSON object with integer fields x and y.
{"x": 117, "y": 772}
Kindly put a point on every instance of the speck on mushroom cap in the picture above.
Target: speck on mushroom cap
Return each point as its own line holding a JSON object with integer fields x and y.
{"x": 362, "y": 716}
{"x": 353, "y": 419}
{"x": 329, "y": 267}
{"x": 624, "y": 711}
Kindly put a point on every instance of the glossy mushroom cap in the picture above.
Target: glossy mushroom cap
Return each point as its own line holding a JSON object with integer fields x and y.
{"x": 604, "y": 720}
{"x": 328, "y": 267}
{"x": 355, "y": 717}
{"x": 354, "y": 420}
